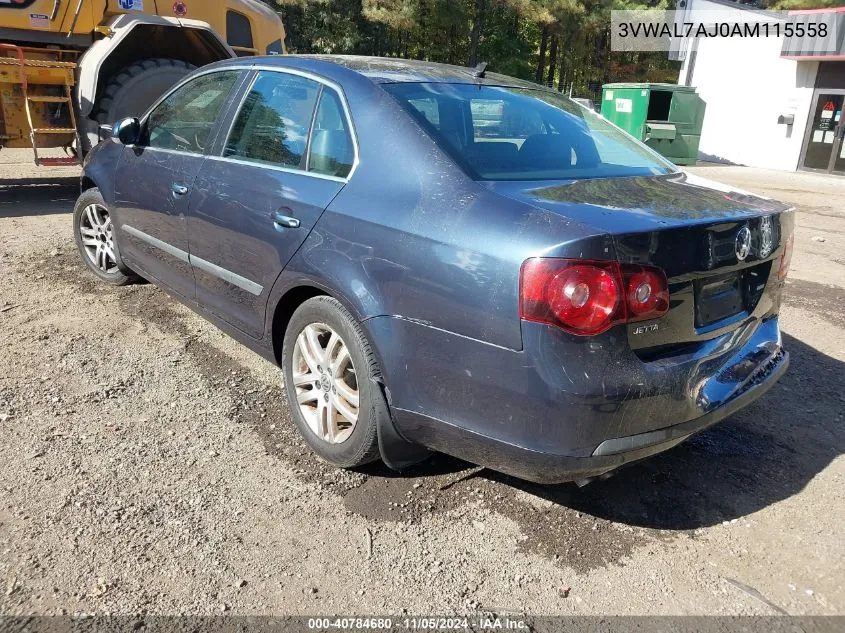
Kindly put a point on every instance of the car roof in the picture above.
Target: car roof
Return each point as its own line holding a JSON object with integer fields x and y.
{"x": 390, "y": 70}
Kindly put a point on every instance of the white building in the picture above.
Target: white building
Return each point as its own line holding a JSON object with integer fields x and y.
{"x": 772, "y": 102}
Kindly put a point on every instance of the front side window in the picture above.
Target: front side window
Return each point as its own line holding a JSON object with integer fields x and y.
{"x": 273, "y": 123}
{"x": 502, "y": 133}
{"x": 332, "y": 152}
{"x": 184, "y": 120}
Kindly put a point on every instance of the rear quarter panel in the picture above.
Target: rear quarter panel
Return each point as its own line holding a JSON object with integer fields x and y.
{"x": 411, "y": 236}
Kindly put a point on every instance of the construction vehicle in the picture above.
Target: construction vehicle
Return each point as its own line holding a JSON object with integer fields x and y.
{"x": 70, "y": 67}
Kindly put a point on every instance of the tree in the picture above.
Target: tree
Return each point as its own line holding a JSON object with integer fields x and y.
{"x": 804, "y": 4}
{"x": 480, "y": 7}
{"x": 401, "y": 15}
{"x": 555, "y": 42}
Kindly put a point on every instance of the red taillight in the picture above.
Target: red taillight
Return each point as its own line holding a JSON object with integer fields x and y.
{"x": 786, "y": 258}
{"x": 589, "y": 297}
{"x": 647, "y": 292}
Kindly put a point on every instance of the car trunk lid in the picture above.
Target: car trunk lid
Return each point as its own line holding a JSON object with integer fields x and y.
{"x": 717, "y": 246}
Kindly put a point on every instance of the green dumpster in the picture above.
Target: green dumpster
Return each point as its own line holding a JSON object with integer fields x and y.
{"x": 666, "y": 117}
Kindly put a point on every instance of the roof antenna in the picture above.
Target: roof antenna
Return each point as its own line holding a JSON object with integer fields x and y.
{"x": 481, "y": 70}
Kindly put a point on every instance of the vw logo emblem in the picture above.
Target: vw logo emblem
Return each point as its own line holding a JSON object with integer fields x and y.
{"x": 767, "y": 236}
{"x": 743, "y": 243}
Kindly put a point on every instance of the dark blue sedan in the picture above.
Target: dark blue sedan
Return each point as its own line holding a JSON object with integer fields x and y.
{"x": 445, "y": 259}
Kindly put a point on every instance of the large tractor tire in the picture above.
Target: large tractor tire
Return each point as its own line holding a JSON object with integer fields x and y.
{"x": 135, "y": 88}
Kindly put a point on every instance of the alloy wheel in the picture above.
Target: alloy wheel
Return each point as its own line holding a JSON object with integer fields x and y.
{"x": 326, "y": 384}
{"x": 97, "y": 234}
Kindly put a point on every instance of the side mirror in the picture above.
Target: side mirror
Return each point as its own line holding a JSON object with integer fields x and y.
{"x": 127, "y": 131}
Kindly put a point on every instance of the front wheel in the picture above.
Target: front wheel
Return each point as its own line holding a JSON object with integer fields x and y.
{"x": 329, "y": 373}
{"x": 94, "y": 233}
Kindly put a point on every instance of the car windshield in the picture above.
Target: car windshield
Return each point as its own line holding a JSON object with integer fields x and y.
{"x": 502, "y": 133}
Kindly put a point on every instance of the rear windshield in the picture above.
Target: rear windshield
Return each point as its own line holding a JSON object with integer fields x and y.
{"x": 499, "y": 133}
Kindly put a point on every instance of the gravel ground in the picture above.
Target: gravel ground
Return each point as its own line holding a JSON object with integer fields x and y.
{"x": 149, "y": 464}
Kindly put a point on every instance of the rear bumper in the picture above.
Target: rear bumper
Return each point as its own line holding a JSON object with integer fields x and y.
{"x": 550, "y": 468}
{"x": 565, "y": 407}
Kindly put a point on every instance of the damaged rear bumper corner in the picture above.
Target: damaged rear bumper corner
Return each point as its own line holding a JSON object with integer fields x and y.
{"x": 549, "y": 468}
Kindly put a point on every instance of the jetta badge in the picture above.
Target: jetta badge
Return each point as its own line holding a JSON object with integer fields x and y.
{"x": 767, "y": 236}
{"x": 647, "y": 329}
{"x": 743, "y": 243}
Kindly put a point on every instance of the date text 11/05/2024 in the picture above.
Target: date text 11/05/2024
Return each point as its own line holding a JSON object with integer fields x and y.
{"x": 483, "y": 622}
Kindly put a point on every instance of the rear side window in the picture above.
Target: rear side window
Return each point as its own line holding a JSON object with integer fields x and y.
{"x": 332, "y": 152}
{"x": 184, "y": 120}
{"x": 239, "y": 33}
{"x": 273, "y": 123}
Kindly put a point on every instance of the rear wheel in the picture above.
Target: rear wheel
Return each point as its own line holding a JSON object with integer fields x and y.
{"x": 329, "y": 370}
{"x": 136, "y": 87}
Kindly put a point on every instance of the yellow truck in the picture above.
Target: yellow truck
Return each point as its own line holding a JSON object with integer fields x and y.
{"x": 68, "y": 67}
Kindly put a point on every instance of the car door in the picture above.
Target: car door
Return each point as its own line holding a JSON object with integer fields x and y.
{"x": 255, "y": 202}
{"x": 154, "y": 178}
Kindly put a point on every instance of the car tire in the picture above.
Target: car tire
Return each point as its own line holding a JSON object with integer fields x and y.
{"x": 96, "y": 240}
{"x": 137, "y": 86}
{"x": 313, "y": 390}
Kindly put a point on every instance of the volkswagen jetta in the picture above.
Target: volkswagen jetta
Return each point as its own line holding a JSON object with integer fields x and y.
{"x": 441, "y": 258}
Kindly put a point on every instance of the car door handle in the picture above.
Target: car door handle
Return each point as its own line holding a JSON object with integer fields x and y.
{"x": 282, "y": 221}
{"x": 179, "y": 190}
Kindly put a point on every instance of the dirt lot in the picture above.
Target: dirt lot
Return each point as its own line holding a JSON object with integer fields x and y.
{"x": 148, "y": 463}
